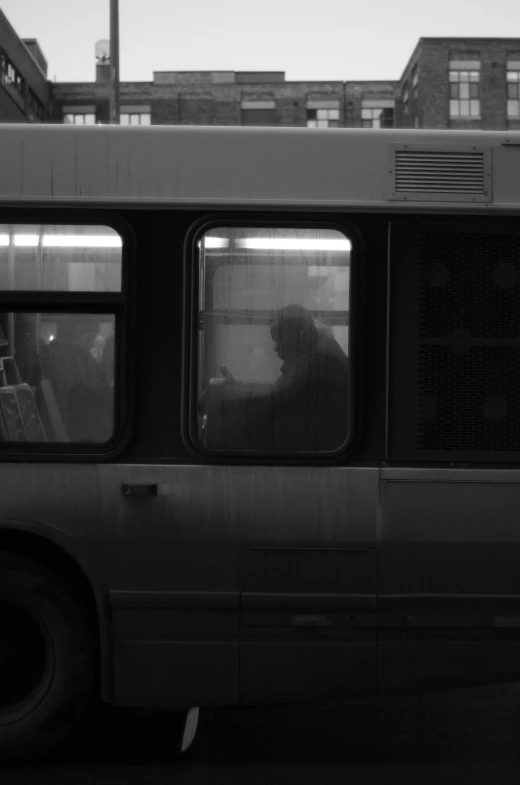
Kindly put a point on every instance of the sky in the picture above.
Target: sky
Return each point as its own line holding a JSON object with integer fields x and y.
{"x": 308, "y": 39}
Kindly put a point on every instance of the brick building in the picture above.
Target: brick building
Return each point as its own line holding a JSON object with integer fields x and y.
{"x": 229, "y": 98}
{"x": 461, "y": 83}
{"x": 25, "y": 94}
{"x": 447, "y": 83}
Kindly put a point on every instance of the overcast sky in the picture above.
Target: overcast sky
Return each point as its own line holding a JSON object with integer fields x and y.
{"x": 308, "y": 39}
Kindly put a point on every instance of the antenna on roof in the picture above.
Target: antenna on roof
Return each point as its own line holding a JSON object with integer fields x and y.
{"x": 103, "y": 51}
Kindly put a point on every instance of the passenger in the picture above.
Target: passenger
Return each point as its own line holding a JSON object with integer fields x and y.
{"x": 310, "y": 396}
{"x": 305, "y": 409}
{"x": 79, "y": 386}
{"x": 107, "y": 361}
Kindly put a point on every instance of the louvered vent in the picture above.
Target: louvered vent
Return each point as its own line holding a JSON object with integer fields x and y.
{"x": 441, "y": 174}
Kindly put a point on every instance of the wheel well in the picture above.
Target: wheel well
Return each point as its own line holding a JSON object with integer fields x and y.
{"x": 47, "y": 552}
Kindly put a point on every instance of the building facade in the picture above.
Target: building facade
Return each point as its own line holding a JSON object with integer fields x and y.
{"x": 461, "y": 83}
{"x": 447, "y": 83}
{"x": 229, "y": 98}
{"x": 25, "y": 92}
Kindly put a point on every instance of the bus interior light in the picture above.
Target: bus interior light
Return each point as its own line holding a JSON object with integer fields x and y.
{"x": 81, "y": 241}
{"x": 216, "y": 242}
{"x": 63, "y": 241}
{"x": 26, "y": 240}
{"x": 268, "y": 244}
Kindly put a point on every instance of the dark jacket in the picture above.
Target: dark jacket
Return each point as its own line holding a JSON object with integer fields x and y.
{"x": 306, "y": 409}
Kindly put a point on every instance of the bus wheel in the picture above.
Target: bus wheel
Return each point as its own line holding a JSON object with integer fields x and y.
{"x": 48, "y": 658}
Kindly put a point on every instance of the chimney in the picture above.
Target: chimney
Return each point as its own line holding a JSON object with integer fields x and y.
{"x": 103, "y": 62}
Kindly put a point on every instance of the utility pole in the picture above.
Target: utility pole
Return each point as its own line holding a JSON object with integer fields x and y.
{"x": 114, "y": 62}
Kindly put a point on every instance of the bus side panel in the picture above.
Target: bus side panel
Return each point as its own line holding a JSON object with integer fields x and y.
{"x": 308, "y": 624}
{"x": 296, "y": 543}
{"x": 449, "y": 581}
{"x": 177, "y": 648}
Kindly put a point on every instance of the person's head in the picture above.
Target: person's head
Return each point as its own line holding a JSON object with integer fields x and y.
{"x": 293, "y": 332}
{"x": 85, "y": 332}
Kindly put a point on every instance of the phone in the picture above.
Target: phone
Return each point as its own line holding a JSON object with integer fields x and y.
{"x": 226, "y": 373}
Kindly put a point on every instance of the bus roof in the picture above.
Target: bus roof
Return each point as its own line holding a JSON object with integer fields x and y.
{"x": 259, "y": 167}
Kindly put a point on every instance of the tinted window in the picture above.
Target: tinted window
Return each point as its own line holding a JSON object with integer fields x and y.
{"x": 56, "y": 377}
{"x": 273, "y": 339}
{"x": 60, "y": 258}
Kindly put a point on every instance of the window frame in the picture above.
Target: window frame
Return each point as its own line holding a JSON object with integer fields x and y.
{"x": 36, "y": 107}
{"x": 12, "y": 80}
{"x": 190, "y": 338}
{"x": 326, "y": 122}
{"x": 120, "y": 304}
{"x": 371, "y": 122}
{"x": 469, "y": 101}
{"x": 516, "y": 99}
{"x": 80, "y": 114}
{"x": 140, "y": 115}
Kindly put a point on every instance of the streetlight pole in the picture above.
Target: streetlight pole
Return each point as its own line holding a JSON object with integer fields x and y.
{"x": 114, "y": 62}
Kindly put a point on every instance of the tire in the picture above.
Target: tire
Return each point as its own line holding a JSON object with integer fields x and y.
{"x": 48, "y": 658}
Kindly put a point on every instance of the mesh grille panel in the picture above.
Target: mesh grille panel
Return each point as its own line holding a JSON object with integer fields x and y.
{"x": 469, "y": 398}
{"x": 468, "y": 374}
{"x": 469, "y": 284}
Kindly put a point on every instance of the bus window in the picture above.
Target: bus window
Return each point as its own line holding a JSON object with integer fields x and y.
{"x": 273, "y": 346}
{"x": 56, "y": 377}
{"x": 59, "y": 258}
{"x": 57, "y": 369}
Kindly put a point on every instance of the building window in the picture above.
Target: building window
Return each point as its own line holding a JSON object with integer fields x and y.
{"x": 36, "y": 108}
{"x": 405, "y": 97}
{"x": 322, "y": 114}
{"x": 135, "y": 115}
{"x": 322, "y": 118}
{"x": 272, "y": 340}
{"x": 415, "y": 81}
{"x": 464, "y": 88}
{"x": 258, "y": 112}
{"x": 513, "y": 89}
{"x": 80, "y": 118}
{"x": 377, "y": 113}
{"x": 12, "y": 81}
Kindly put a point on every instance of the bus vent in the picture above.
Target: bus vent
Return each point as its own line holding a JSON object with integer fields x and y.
{"x": 422, "y": 173}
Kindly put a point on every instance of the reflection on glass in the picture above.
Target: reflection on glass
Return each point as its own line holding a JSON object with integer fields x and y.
{"x": 274, "y": 338}
{"x": 60, "y": 258}
{"x": 56, "y": 377}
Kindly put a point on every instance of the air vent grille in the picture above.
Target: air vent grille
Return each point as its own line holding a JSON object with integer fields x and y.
{"x": 461, "y": 173}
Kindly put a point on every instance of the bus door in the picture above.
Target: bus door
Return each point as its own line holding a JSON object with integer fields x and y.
{"x": 449, "y": 584}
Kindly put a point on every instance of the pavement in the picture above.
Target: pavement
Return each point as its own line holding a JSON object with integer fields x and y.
{"x": 461, "y": 736}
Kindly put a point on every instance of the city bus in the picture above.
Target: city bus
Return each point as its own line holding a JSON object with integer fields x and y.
{"x": 259, "y": 418}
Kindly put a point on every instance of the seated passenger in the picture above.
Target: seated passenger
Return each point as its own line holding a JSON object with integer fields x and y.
{"x": 107, "y": 361}
{"x": 81, "y": 392}
{"x": 305, "y": 409}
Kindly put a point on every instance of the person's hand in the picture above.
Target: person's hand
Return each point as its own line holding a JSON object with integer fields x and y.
{"x": 228, "y": 376}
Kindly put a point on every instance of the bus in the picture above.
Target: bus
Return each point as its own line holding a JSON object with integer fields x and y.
{"x": 259, "y": 418}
